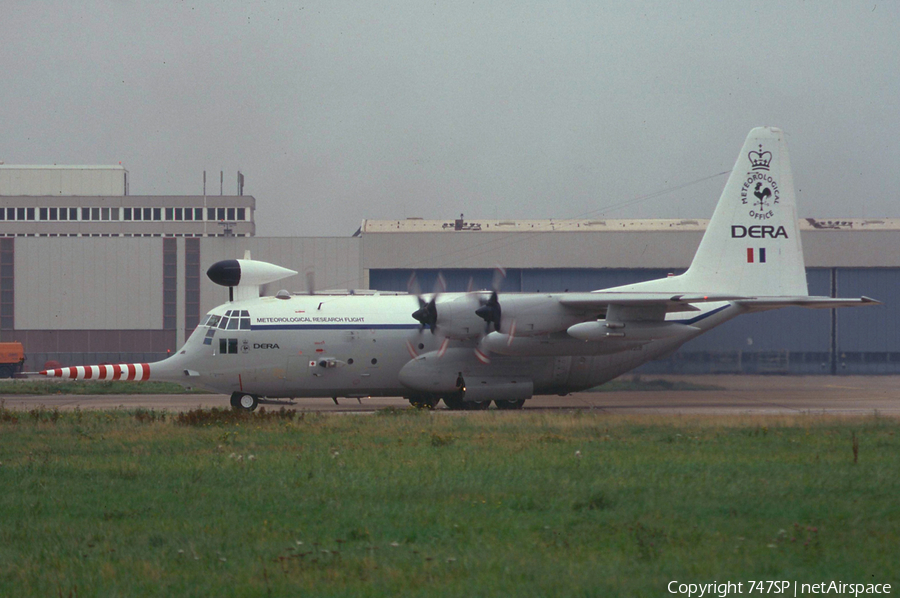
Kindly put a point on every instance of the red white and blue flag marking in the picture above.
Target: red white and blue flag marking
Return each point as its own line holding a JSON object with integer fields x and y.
{"x": 756, "y": 255}
{"x": 125, "y": 371}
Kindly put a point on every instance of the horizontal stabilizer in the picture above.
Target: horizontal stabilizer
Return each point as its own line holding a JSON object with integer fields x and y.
{"x": 766, "y": 303}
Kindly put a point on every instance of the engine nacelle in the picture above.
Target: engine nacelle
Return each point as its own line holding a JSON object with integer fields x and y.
{"x": 615, "y": 332}
{"x": 456, "y": 317}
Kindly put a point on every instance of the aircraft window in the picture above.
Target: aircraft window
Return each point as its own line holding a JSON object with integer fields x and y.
{"x": 245, "y": 323}
{"x": 223, "y": 323}
{"x": 233, "y": 323}
{"x": 228, "y": 314}
{"x": 245, "y": 313}
{"x": 213, "y": 320}
{"x": 207, "y": 341}
{"x": 232, "y": 345}
{"x": 211, "y": 332}
{"x": 223, "y": 346}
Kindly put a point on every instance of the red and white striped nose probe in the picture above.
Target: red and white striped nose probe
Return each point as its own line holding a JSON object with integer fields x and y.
{"x": 125, "y": 371}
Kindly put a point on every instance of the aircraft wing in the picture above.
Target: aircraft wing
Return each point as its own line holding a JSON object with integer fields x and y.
{"x": 672, "y": 302}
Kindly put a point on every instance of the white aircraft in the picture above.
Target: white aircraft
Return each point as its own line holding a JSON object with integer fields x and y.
{"x": 473, "y": 348}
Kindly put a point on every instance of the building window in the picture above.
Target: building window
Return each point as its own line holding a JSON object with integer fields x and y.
{"x": 54, "y": 213}
{"x": 29, "y": 213}
{"x": 42, "y": 213}
{"x": 241, "y": 214}
{"x": 178, "y": 213}
{"x": 169, "y": 214}
{"x": 198, "y": 213}
{"x": 157, "y": 214}
{"x": 210, "y": 213}
{"x": 230, "y": 214}
{"x": 95, "y": 213}
{"x": 147, "y": 214}
{"x": 10, "y": 213}
{"x": 73, "y": 213}
{"x": 104, "y": 213}
{"x": 7, "y": 283}
{"x": 126, "y": 213}
{"x": 189, "y": 213}
{"x": 114, "y": 213}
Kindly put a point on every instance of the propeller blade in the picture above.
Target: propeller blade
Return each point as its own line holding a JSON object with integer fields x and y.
{"x": 443, "y": 348}
{"x": 440, "y": 284}
{"x": 491, "y": 313}
{"x": 412, "y": 286}
{"x": 482, "y": 356}
{"x": 499, "y": 276}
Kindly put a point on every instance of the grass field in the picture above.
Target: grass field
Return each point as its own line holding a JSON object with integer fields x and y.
{"x": 404, "y": 502}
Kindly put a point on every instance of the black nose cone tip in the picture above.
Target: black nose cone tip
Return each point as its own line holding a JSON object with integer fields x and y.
{"x": 226, "y": 273}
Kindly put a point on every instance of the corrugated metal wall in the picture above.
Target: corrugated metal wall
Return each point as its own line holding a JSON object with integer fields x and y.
{"x": 88, "y": 283}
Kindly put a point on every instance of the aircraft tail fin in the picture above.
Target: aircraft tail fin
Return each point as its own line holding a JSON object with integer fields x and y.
{"x": 751, "y": 246}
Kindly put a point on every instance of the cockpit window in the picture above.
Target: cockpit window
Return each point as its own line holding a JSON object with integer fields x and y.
{"x": 245, "y": 323}
{"x": 223, "y": 323}
{"x": 233, "y": 323}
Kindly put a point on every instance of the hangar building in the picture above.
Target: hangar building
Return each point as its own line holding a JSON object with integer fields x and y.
{"x": 91, "y": 290}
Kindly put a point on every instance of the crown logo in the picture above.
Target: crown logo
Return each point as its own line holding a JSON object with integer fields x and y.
{"x": 760, "y": 160}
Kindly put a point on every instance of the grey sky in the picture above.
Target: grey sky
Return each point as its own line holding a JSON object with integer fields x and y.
{"x": 337, "y": 111}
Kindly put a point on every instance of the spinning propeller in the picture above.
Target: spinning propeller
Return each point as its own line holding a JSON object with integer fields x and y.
{"x": 492, "y": 314}
{"x": 427, "y": 313}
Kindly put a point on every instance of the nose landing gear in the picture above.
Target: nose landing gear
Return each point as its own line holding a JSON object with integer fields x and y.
{"x": 243, "y": 401}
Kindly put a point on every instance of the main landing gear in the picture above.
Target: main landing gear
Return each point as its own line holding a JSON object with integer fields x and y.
{"x": 244, "y": 401}
{"x": 423, "y": 402}
{"x": 455, "y": 403}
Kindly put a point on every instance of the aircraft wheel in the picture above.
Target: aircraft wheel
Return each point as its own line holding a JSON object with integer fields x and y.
{"x": 510, "y": 404}
{"x": 243, "y": 401}
{"x": 454, "y": 403}
{"x": 477, "y": 405}
{"x": 423, "y": 402}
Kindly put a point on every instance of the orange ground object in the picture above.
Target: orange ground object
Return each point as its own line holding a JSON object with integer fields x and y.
{"x": 12, "y": 357}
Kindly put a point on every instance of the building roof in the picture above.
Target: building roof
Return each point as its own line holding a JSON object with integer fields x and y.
{"x": 420, "y": 225}
{"x": 61, "y": 167}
